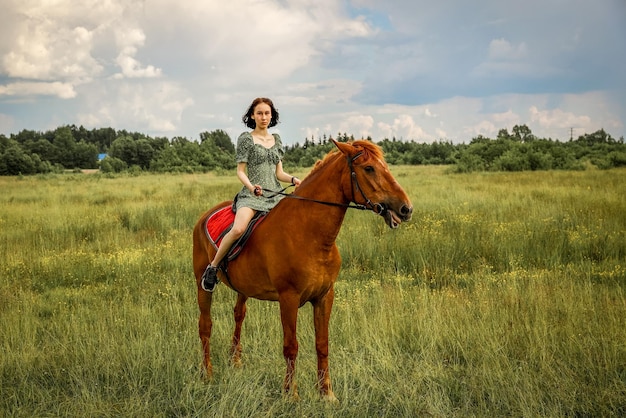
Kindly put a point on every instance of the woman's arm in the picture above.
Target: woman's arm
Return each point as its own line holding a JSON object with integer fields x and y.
{"x": 243, "y": 176}
{"x": 284, "y": 177}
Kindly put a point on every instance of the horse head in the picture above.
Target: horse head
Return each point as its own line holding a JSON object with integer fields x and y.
{"x": 372, "y": 185}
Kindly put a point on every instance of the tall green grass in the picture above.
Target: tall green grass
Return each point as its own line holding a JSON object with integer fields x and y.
{"x": 504, "y": 296}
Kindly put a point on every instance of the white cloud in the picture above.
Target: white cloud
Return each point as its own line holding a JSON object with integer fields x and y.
{"x": 485, "y": 128}
{"x": 253, "y": 43}
{"x": 460, "y": 119}
{"x": 506, "y": 119}
{"x": 34, "y": 55}
{"x": 58, "y": 89}
{"x": 58, "y": 40}
{"x": 557, "y": 118}
{"x": 379, "y": 125}
{"x": 358, "y": 125}
{"x": 128, "y": 41}
{"x": 441, "y": 134}
{"x": 502, "y": 50}
{"x": 428, "y": 113}
{"x": 508, "y": 60}
{"x": 153, "y": 107}
{"x": 405, "y": 126}
{"x": 330, "y": 91}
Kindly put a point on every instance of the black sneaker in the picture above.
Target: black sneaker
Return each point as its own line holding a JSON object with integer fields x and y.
{"x": 209, "y": 279}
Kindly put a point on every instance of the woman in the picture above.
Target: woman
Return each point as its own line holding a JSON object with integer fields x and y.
{"x": 259, "y": 167}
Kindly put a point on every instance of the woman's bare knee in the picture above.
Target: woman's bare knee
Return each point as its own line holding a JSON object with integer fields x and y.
{"x": 242, "y": 219}
{"x": 237, "y": 231}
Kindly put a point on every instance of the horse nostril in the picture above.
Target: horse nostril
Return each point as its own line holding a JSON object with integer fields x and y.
{"x": 406, "y": 210}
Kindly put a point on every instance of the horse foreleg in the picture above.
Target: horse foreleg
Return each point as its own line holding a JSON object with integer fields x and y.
{"x": 321, "y": 318}
{"x": 240, "y": 315}
{"x": 289, "y": 305}
{"x": 205, "y": 324}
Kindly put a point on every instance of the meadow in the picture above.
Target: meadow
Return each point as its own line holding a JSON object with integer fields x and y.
{"x": 504, "y": 296}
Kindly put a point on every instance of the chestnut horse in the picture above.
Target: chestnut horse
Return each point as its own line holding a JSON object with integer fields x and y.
{"x": 292, "y": 257}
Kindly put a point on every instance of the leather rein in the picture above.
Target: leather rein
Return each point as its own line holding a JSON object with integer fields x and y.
{"x": 377, "y": 208}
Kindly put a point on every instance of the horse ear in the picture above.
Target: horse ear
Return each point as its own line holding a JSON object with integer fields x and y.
{"x": 345, "y": 148}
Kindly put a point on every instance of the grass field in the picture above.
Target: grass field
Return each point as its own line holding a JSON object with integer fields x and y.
{"x": 504, "y": 296}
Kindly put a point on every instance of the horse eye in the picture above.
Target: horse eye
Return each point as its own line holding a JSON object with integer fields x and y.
{"x": 369, "y": 169}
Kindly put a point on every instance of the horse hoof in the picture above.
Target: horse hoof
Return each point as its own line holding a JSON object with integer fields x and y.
{"x": 206, "y": 375}
{"x": 291, "y": 395}
{"x": 330, "y": 398}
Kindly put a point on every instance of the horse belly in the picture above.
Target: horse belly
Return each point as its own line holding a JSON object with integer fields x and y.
{"x": 249, "y": 280}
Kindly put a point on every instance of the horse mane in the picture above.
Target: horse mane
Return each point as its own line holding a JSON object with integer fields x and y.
{"x": 369, "y": 149}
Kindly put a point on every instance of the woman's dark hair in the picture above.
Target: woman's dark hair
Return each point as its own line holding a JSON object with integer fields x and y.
{"x": 247, "y": 118}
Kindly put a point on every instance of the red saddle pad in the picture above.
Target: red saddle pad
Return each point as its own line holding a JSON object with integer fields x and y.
{"x": 219, "y": 223}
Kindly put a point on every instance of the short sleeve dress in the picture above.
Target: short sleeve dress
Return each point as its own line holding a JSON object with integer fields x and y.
{"x": 262, "y": 163}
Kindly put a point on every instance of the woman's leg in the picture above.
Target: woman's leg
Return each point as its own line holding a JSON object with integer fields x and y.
{"x": 242, "y": 219}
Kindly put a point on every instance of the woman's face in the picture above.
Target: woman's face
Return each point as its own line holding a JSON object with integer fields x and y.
{"x": 262, "y": 115}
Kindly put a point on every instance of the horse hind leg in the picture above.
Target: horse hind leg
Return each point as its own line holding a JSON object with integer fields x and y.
{"x": 205, "y": 325}
{"x": 240, "y": 315}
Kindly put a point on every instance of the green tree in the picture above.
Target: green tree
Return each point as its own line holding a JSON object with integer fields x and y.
{"x": 488, "y": 150}
{"x": 220, "y": 139}
{"x": 103, "y": 138}
{"x": 85, "y": 155}
{"x": 522, "y": 133}
{"x": 514, "y": 159}
{"x": 25, "y": 135}
{"x": 6, "y": 143}
{"x": 468, "y": 163}
{"x": 14, "y": 161}
{"x": 43, "y": 148}
{"x": 112, "y": 165}
{"x": 125, "y": 149}
{"x": 503, "y": 134}
{"x": 144, "y": 153}
{"x": 168, "y": 161}
{"x": 597, "y": 137}
{"x": 64, "y": 144}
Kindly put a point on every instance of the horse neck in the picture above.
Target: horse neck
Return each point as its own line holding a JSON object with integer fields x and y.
{"x": 323, "y": 184}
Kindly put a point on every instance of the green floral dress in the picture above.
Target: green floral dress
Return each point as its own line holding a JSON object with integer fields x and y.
{"x": 261, "y": 170}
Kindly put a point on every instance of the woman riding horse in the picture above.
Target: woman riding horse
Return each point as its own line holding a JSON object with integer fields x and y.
{"x": 292, "y": 256}
{"x": 259, "y": 167}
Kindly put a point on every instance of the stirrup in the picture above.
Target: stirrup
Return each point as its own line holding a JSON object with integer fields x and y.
{"x": 209, "y": 279}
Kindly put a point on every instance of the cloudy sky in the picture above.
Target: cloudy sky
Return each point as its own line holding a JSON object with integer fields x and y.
{"x": 409, "y": 69}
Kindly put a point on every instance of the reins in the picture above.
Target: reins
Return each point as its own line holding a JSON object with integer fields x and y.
{"x": 308, "y": 199}
{"x": 377, "y": 208}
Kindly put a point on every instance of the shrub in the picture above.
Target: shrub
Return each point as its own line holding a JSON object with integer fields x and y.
{"x": 112, "y": 165}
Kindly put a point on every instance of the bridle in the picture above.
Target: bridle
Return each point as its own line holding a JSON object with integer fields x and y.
{"x": 377, "y": 208}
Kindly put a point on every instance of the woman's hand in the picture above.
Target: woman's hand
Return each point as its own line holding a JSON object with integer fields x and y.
{"x": 258, "y": 190}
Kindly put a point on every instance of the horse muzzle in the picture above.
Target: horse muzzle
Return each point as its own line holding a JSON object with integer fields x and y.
{"x": 394, "y": 217}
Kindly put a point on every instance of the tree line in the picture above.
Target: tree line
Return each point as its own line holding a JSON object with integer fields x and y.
{"x": 74, "y": 148}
